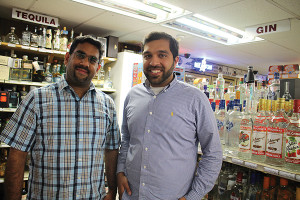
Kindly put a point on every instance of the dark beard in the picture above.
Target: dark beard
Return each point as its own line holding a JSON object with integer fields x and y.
{"x": 164, "y": 77}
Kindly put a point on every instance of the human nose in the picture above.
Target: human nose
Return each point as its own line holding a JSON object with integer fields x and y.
{"x": 85, "y": 61}
{"x": 154, "y": 61}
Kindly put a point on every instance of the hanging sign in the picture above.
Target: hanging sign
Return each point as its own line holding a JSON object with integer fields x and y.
{"x": 34, "y": 17}
{"x": 268, "y": 28}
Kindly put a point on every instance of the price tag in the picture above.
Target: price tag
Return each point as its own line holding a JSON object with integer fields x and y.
{"x": 11, "y": 45}
{"x": 297, "y": 177}
{"x": 251, "y": 165}
{"x": 224, "y": 157}
{"x": 33, "y": 48}
{"x": 287, "y": 175}
{"x": 271, "y": 171}
{"x": 25, "y": 47}
{"x": 237, "y": 161}
{"x": 23, "y": 82}
{"x": 57, "y": 52}
{"x": 44, "y": 50}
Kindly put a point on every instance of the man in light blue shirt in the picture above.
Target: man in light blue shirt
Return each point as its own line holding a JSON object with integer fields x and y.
{"x": 164, "y": 120}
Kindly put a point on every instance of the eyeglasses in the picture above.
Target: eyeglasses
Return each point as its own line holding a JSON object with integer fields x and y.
{"x": 81, "y": 55}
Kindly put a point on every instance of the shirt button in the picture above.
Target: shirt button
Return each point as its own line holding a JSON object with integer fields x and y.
{"x": 154, "y": 97}
{"x": 143, "y": 184}
{"x": 146, "y": 149}
{"x": 148, "y": 131}
{"x": 150, "y": 113}
{"x": 145, "y": 167}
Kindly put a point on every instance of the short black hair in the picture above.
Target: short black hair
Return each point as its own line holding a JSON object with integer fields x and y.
{"x": 174, "y": 46}
{"x": 88, "y": 39}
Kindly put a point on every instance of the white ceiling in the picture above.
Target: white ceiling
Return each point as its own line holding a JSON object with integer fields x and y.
{"x": 276, "y": 49}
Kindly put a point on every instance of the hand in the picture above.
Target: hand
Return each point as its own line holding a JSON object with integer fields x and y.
{"x": 182, "y": 198}
{"x": 122, "y": 184}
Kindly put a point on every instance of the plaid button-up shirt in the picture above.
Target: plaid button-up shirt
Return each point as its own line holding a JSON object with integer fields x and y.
{"x": 66, "y": 137}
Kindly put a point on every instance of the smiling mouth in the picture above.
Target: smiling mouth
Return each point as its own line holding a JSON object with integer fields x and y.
{"x": 155, "y": 71}
{"x": 82, "y": 71}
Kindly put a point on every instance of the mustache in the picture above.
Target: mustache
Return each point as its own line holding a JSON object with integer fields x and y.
{"x": 82, "y": 67}
{"x": 150, "y": 67}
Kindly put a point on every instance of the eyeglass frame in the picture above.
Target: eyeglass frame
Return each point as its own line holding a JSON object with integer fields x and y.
{"x": 80, "y": 55}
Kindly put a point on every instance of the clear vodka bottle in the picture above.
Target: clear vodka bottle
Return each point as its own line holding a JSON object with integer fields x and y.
{"x": 220, "y": 117}
{"x": 26, "y": 34}
{"x": 220, "y": 83}
{"x": 260, "y": 125}
{"x": 292, "y": 134}
{"x": 275, "y": 142}
{"x": 233, "y": 128}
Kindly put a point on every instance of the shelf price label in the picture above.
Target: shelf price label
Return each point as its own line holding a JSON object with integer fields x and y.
{"x": 251, "y": 165}
{"x": 11, "y": 45}
{"x": 287, "y": 175}
{"x": 25, "y": 47}
{"x": 237, "y": 161}
{"x": 271, "y": 171}
{"x": 297, "y": 177}
{"x": 224, "y": 157}
{"x": 33, "y": 48}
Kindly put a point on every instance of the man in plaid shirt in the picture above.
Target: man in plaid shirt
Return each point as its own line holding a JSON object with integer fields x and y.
{"x": 71, "y": 131}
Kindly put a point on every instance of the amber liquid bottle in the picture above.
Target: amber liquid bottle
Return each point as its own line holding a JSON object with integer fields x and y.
{"x": 284, "y": 192}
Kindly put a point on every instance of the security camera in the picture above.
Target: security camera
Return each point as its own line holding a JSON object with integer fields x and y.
{"x": 187, "y": 55}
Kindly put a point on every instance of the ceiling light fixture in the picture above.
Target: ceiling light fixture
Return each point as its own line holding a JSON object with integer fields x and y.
{"x": 154, "y": 11}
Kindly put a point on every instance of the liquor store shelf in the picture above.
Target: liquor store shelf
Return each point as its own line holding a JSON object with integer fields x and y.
{"x": 278, "y": 171}
{"x": 43, "y": 51}
{"x": 40, "y": 84}
{"x": 26, "y": 174}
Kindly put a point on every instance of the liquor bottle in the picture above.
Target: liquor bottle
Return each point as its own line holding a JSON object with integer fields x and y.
{"x": 252, "y": 191}
{"x": 3, "y": 161}
{"x": 231, "y": 92}
{"x": 287, "y": 96}
{"x": 250, "y": 92}
{"x": 245, "y": 135}
{"x": 265, "y": 194}
{"x": 275, "y": 136}
{"x": 237, "y": 189}
{"x": 26, "y": 34}
{"x": 48, "y": 76}
{"x": 240, "y": 92}
{"x": 274, "y": 88}
{"x": 284, "y": 192}
{"x": 34, "y": 40}
{"x": 64, "y": 40}
{"x": 220, "y": 117}
{"x": 273, "y": 187}
{"x": 292, "y": 135}
{"x": 13, "y": 97}
{"x": 40, "y": 37}
{"x": 26, "y": 71}
{"x": 37, "y": 72}
{"x": 71, "y": 39}
{"x": 56, "y": 39}
{"x": 233, "y": 129}
{"x": 298, "y": 193}
{"x": 23, "y": 93}
{"x": 220, "y": 83}
{"x": 12, "y": 37}
{"x": 24, "y": 191}
{"x": 258, "y": 143}
{"x": 263, "y": 91}
{"x": 108, "y": 82}
{"x": 223, "y": 181}
{"x": 205, "y": 91}
{"x": 49, "y": 38}
{"x": 56, "y": 73}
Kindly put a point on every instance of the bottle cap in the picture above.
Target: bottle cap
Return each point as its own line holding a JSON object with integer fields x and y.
{"x": 250, "y": 75}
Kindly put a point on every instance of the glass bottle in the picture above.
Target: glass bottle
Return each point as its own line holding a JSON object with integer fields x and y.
{"x": 292, "y": 135}
{"x": 108, "y": 82}
{"x": 13, "y": 97}
{"x": 274, "y": 88}
{"x": 71, "y": 39}
{"x": 275, "y": 136}
{"x": 237, "y": 189}
{"x": 298, "y": 193}
{"x": 260, "y": 124}
{"x": 24, "y": 191}
{"x": 40, "y": 37}
{"x": 56, "y": 39}
{"x": 252, "y": 191}
{"x": 34, "y": 40}
{"x": 47, "y": 74}
{"x": 240, "y": 92}
{"x": 48, "y": 38}
{"x": 233, "y": 128}
{"x": 64, "y": 40}
{"x": 284, "y": 192}
{"x": 265, "y": 194}
{"x": 220, "y": 117}
{"x": 56, "y": 73}
{"x": 245, "y": 135}
{"x": 206, "y": 91}
{"x": 12, "y": 37}
{"x": 220, "y": 83}
{"x": 223, "y": 181}
{"x": 23, "y": 93}
{"x": 26, "y": 34}
{"x": 273, "y": 187}
{"x": 26, "y": 71}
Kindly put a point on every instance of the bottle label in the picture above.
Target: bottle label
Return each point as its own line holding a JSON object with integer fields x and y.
{"x": 232, "y": 197}
{"x": 292, "y": 154}
{"x": 244, "y": 138}
{"x": 220, "y": 125}
{"x": 274, "y": 142}
{"x": 259, "y": 140}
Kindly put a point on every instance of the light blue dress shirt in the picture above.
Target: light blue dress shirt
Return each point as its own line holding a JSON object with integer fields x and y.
{"x": 160, "y": 136}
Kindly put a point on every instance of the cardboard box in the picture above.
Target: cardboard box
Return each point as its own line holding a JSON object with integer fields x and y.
{"x": 290, "y": 71}
{"x": 4, "y": 72}
{"x": 273, "y": 69}
{"x": 112, "y": 46}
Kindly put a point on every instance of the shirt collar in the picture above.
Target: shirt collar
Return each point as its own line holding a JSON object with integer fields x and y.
{"x": 64, "y": 84}
{"x": 173, "y": 82}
